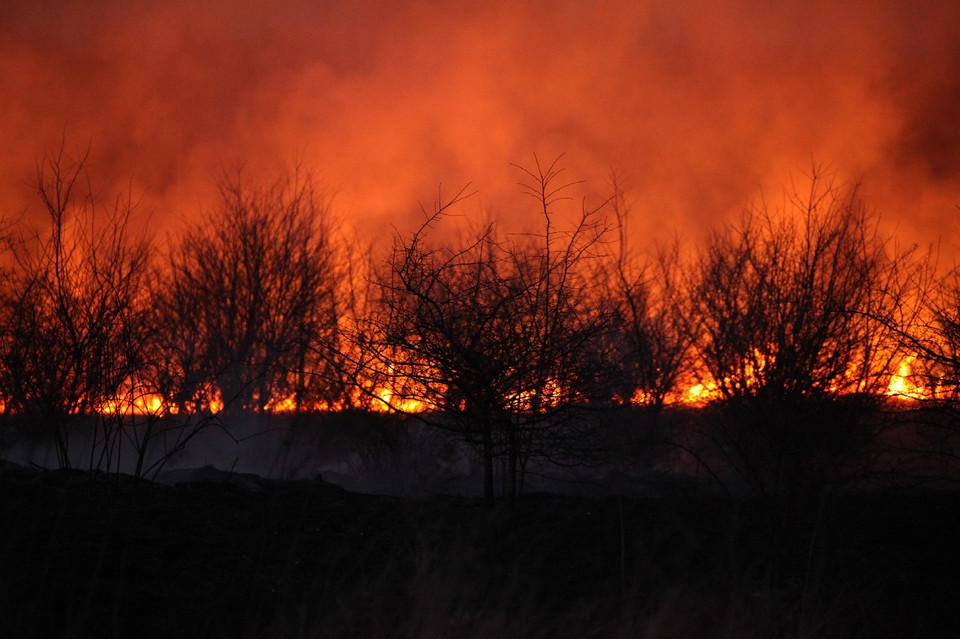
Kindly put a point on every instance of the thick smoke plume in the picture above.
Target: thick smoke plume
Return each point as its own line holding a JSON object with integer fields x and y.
{"x": 698, "y": 106}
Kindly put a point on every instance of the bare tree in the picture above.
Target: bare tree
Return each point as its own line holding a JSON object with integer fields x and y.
{"x": 929, "y": 380}
{"x": 933, "y": 334}
{"x": 794, "y": 324}
{"x": 649, "y": 343}
{"x": 71, "y": 309}
{"x": 252, "y": 299}
{"x": 494, "y": 340}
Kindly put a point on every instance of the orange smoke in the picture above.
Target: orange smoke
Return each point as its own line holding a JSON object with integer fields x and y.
{"x": 700, "y": 105}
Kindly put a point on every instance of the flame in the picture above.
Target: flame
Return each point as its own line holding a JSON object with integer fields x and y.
{"x": 902, "y": 384}
{"x": 640, "y": 397}
{"x": 285, "y": 405}
{"x": 209, "y": 398}
{"x": 548, "y": 396}
{"x": 135, "y": 398}
{"x": 385, "y": 399}
{"x": 391, "y": 401}
{"x": 700, "y": 393}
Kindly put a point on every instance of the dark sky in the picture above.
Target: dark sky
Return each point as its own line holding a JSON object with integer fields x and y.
{"x": 699, "y": 105}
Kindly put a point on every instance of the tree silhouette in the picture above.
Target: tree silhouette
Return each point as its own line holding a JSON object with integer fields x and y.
{"x": 794, "y": 315}
{"x": 931, "y": 376}
{"x": 72, "y": 312}
{"x": 648, "y": 341}
{"x": 251, "y": 299}
{"x": 499, "y": 341}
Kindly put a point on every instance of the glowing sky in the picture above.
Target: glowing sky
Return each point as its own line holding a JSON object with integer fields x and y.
{"x": 699, "y": 105}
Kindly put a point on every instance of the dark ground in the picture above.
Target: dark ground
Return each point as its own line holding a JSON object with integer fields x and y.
{"x": 87, "y": 555}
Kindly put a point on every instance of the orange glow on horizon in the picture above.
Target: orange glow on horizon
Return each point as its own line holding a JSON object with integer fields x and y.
{"x": 902, "y": 385}
{"x": 393, "y": 394}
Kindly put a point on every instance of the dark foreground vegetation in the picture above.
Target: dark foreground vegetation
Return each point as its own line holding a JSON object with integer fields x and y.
{"x": 92, "y": 555}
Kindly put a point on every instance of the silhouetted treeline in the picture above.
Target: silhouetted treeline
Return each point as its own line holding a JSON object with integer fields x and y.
{"x": 793, "y": 326}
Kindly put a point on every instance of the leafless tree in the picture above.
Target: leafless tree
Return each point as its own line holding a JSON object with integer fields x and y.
{"x": 252, "y": 302}
{"x": 929, "y": 379}
{"x": 933, "y": 334}
{"x": 495, "y": 339}
{"x": 648, "y": 342}
{"x": 72, "y": 309}
{"x": 794, "y": 322}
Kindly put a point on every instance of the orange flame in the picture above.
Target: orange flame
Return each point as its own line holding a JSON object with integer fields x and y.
{"x": 903, "y": 384}
{"x": 135, "y": 398}
{"x": 391, "y": 401}
{"x": 700, "y": 393}
{"x": 140, "y": 398}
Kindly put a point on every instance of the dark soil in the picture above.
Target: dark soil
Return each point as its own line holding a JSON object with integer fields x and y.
{"x": 87, "y": 555}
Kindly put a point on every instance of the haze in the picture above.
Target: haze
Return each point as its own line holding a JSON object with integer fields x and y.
{"x": 698, "y": 106}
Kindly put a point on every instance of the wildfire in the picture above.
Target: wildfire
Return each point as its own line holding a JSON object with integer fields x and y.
{"x": 285, "y": 405}
{"x": 391, "y": 401}
{"x": 137, "y": 398}
{"x": 386, "y": 400}
{"x": 700, "y": 394}
{"x": 549, "y": 396}
{"x": 147, "y": 404}
{"x": 903, "y": 386}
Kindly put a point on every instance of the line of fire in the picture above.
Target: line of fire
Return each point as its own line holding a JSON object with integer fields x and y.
{"x": 799, "y": 312}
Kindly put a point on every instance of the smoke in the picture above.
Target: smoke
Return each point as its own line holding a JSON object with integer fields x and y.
{"x": 698, "y": 106}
